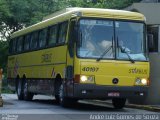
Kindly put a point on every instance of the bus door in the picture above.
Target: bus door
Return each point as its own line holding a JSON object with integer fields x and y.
{"x": 70, "y": 57}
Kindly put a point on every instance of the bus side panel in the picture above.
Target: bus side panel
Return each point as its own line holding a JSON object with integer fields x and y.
{"x": 39, "y": 67}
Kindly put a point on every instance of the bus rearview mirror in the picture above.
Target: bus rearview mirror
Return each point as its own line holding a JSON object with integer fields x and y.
{"x": 150, "y": 41}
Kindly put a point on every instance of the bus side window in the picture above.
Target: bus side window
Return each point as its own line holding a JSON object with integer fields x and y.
{"x": 20, "y": 44}
{"x": 52, "y": 35}
{"x": 63, "y": 27}
{"x": 26, "y": 42}
{"x": 42, "y": 38}
{"x": 34, "y": 40}
{"x": 14, "y": 45}
{"x": 10, "y": 46}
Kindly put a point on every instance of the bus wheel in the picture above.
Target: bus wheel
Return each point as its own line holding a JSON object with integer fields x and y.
{"x": 27, "y": 95}
{"x": 118, "y": 103}
{"x": 20, "y": 89}
{"x": 64, "y": 101}
{"x": 57, "y": 98}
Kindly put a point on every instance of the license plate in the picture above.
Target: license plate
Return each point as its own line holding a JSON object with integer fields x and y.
{"x": 113, "y": 94}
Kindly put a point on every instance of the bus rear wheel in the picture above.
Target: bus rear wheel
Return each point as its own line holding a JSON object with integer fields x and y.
{"x": 27, "y": 95}
{"x": 118, "y": 103}
{"x": 57, "y": 98}
{"x": 20, "y": 89}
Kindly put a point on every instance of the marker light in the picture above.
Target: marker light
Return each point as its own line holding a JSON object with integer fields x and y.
{"x": 138, "y": 81}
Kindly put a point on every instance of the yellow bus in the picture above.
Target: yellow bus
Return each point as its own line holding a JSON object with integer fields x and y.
{"x": 81, "y": 53}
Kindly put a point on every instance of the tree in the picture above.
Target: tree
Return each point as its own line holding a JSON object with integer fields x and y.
{"x": 3, "y": 54}
{"x": 16, "y": 14}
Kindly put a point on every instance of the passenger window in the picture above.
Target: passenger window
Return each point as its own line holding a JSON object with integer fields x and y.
{"x": 10, "y": 46}
{"x": 42, "y": 38}
{"x": 62, "y": 32}
{"x": 19, "y": 44}
{"x": 14, "y": 45}
{"x": 52, "y": 35}
{"x": 26, "y": 42}
{"x": 34, "y": 40}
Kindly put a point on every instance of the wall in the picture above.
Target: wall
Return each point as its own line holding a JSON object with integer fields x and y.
{"x": 151, "y": 11}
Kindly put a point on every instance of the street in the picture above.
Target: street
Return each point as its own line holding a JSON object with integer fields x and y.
{"x": 45, "y": 107}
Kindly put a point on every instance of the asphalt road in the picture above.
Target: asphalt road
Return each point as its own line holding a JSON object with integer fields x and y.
{"x": 45, "y": 108}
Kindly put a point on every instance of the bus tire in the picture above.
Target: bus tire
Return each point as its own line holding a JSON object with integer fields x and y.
{"x": 20, "y": 89}
{"x": 57, "y": 84}
{"x": 118, "y": 103}
{"x": 63, "y": 100}
{"x": 57, "y": 98}
{"x": 27, "y": 95}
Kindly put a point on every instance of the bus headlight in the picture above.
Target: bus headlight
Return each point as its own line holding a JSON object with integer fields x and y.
{"x": 141, "y": 81}
{"x": 144, "y": 81}
{"x": 83, "y": 78}
{"x": 86, "y": 79}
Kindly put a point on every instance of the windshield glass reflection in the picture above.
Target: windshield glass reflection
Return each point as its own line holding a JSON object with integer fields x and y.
{"x": 130, "y": 40}
{"x": 96, "y": 36}
{"x": 103, "y": 39}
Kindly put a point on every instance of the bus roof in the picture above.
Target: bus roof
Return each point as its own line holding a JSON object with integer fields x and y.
{"x": 83, "y": 12}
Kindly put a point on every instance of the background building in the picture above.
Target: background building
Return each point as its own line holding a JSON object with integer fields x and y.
{"x": 151, "y": 9}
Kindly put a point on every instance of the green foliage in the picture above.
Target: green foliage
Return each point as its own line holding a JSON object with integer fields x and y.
{"x": 3, "y": 54}
{"x": 5, "y": 88}
{"x": 112, "y": 4}
{"x": 16, "y": 14}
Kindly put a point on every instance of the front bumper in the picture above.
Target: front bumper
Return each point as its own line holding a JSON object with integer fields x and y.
{"x": 92, "y": 91}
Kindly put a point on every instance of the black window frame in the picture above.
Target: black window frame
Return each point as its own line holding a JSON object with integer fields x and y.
{"x": 10, "y": 46}
{"x": 56, "y": 26}
{"x": 34, "y": 47}
{"x": 20, "y": 39}
{"x": 59, "y": 30}
{"x": 46, "y": 38}
{"x": 27, "y": 38}
{"x": 14, "y": 46}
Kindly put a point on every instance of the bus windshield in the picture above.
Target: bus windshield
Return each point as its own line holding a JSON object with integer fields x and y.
{"x": 108, "y": 39}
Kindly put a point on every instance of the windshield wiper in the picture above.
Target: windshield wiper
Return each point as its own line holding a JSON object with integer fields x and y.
{"x": 105, "y": 52}
{"x": 123, "y": 50}
{"x": 129, "y": 57}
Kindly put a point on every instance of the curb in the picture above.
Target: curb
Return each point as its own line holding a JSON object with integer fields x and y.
{"x": 143, "y": 107}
